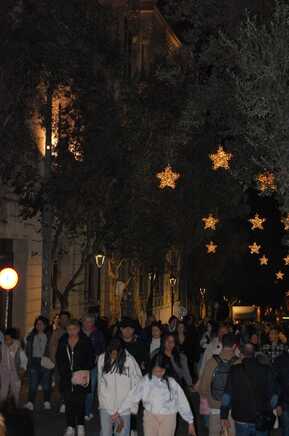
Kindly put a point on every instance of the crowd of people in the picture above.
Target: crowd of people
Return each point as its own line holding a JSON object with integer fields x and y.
{"x": 182, "y": 377}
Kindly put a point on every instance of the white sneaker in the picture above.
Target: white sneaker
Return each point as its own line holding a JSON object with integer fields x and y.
{"x": 89, "y": 417}
{"x": 62, "y": 408}
{"x": 29, "y": 406}
{"x": 80, "y": 430}
{"x": 47, "y": 405}
{"x": 69, "y": 431}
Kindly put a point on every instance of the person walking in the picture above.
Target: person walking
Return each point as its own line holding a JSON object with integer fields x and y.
{"x": 133, "y": 344}
{"x": 162, "y": 398}
{"x": 275, "y": 347}
{"x": 57, "y": 335}
{"x": 96, "y": 338}
{"x": 155, "y": 337}
{"x": 118, "y": 373}
{"x": 213, "y": 381}
{"x": 39, "y": 365}
{"x": 74, "y": 360}
{"x": 13, "y": 363}
{"x": 281, "y": 371}
{"x": 250, "y": 396}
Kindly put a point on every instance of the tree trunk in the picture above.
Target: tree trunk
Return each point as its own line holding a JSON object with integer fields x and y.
{"x": 47, "y": 217}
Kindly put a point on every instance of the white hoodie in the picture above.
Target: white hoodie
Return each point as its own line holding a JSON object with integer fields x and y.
{"x": 159, "y": 399}
{"x": 113, "y": 387}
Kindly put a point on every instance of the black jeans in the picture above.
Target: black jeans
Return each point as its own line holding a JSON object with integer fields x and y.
{"x": 75, "y": 407}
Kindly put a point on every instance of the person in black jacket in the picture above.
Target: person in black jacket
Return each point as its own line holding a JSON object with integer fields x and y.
{"x": 281, "y": 372}
{"x": 249, "y": 395}
{"x": 74, "y": 354}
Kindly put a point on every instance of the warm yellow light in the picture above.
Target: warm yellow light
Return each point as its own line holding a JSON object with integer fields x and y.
{"x": 286, "y": 260}
{"x": 8, "y": 279}
{"x": 285, "y": 222}
{"x": 257, "y": 222}
{"x": 263, "y": 260}
{"x": 210, "y": 222}
{"x": 168, "y": 178}
{"x": 266, "y": 182}
{"x": 211, "y": 248}
{"x": 221, "y": 159}
{"x": 279, "y": 275}
{"x": 255, "y": 248}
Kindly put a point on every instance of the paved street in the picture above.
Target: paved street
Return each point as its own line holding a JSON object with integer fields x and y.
{"x": 53, "y": 424}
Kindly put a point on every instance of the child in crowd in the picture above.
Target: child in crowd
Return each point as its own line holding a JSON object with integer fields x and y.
{"x": 162, "y": 398}
{"x": 13, "y": 363}
{"x": 118, "y": 373}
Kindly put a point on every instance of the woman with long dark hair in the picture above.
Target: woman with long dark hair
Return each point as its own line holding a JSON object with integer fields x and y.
{"x": 178, "y": 362}
{"x": 37, "y": 348}
{"x": 162, "y": 398}
{"x": 118, "y": 373}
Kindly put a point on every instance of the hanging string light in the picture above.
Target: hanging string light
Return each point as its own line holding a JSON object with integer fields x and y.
{"x": 264, "y": 260}
{"x": 255, "y": 248}
{"x": 257, "y": 222}
{"x": 220, "y": 159}
{"x": 211, "y": 248}
{"x": 266, "y": 182}
{"x": 210, "y": 222}
{"x": 168, "y": 178}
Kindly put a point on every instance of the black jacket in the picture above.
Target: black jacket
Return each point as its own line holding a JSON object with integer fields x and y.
{"x": 281, "y": 373}
{"x": 249, "y": 391}
{"x": 139, "y": 351}
{"x": 82, "y": 360}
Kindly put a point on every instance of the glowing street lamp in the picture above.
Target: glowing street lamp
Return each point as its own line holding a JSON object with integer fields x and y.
{"x": 173, "y": 282}
{"x": 99, "y": 260}
{"x": 8, "y": 281}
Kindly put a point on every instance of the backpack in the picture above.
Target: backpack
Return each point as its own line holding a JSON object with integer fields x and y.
{"x": 220, "y": 377}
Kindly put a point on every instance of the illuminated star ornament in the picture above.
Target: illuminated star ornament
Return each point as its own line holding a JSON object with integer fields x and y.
{"x": 257, "y": 222}
{"x": 285, "y": 222}
{"x": 221, "y": 159}
{"x": 266, "y": 182}
{"x": 264, "y": 260}
{"x": 286, "y": 260}
{"x": 210, "y": 222}
{"x": 255, "y": 248}
{"x": 168, "y": 178}
{"x": 279, "y": 275}
{"x": 211, "y": 248}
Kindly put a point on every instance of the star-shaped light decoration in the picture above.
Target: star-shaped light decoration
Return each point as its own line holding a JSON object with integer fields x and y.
{"x": 264, "y": 260}
{"x": 266, "y": 182}
{"x": 286, "y": 260}
{"x": 257, "y": 222}
{"x": 168, "y": 178}
{"x": 255, "y": 248}
{"x": 221, "y": 159}
{"x": 211, "y": 248}
{"x": 285, "y": 222}
{"x": 210, "y": 222}
{"x": 279, "y": 275}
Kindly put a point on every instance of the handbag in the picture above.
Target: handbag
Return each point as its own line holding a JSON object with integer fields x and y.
{"x": 81, "y": 378}
{"x": 47, "y": 363}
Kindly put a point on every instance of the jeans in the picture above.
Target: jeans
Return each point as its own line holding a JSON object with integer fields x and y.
{"x": 284, "y": 420}
{"x": 75, "y": 406}
{"x": 37, "y": 375}
{"x": 108, "y": 428}
{"x": 245, "y": 429}
{"x": 91, "y": 396}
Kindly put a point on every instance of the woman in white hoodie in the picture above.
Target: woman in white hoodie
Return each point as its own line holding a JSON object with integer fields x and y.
{"x": 162, "y": 399}
{"x": 118, "y": 374}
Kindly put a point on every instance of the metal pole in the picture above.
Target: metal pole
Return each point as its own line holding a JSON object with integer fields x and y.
{"x": 172, "y": 300}
{"x": 98, "y": 289}
{"x": 6, "y": 310}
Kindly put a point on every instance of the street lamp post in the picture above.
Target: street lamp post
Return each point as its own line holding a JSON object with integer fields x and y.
{"x": 8, "y": 281}
{"x": 173, "y": 282}
{"x": 99, "y": 260}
